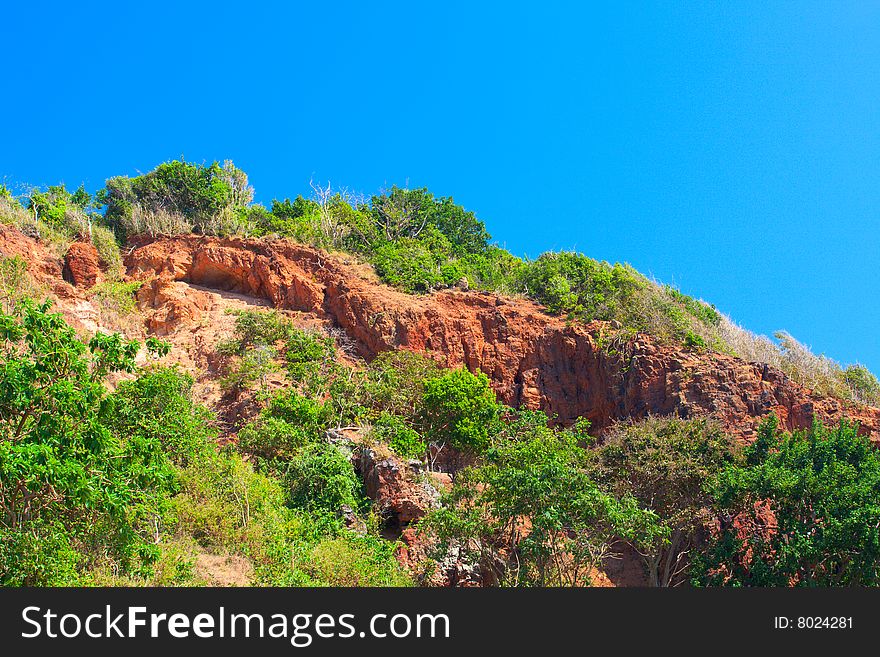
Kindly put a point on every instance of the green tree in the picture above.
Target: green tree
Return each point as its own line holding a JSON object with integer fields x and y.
{"x": 459, "y": 408}
{"x": 321, "y": 478}
{"x": 68, "y": 481}
{"x": 665, "y": 464}
{"x": 822, "y": 487}
{"x": 535, "y": 502}
{"x": 209, "y": 197}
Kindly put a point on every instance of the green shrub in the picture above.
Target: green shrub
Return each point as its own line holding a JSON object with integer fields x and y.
{"x": 311, "y": 361}
{"x": 459, "y": 408}
{"x": 863, "y": 384}
{"x": 117, "y": 296}
{"x": 355, "y": 561}
{"x": 270, "y": 437}
{"x": 40, "y": 555}
{"x": 157, "y": 407}
{"x": 575, "y": 284}
{"x": 206, "y": 197}
{"x": 72, "y": 479}
{"x": 665, "y": 464}
{"x": 706, "y": 313}
{"x": 406, "y": 213}
{"x": 537, "y": 476}
{"x": 321, "y": 478}
{"x": 401, "y": 438}
{"x": 822, "y": 488}
{"x": 15, "y": 284}
{"x": 109, "y": 255}
{"x": 395, "y": 382}
{"x": 409, "y": 264}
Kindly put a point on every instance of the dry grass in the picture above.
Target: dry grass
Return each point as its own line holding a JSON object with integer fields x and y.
{"x": 155, "y": 222}
{"x": 816, "y": 372}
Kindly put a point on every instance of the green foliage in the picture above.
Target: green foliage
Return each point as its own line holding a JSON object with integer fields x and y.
{"x": 109, "y": 255}
{"x": 705, "y": 313}
{"x": 61, "y": 462}
{"x": 405, "y": 213}
{"x": 255, "y": 328}
{"x": 575, "y": 284}
{"x": 403, "y": 439}
{"x": 59, "y": 217}
{"x": 311, "y": 360}
{"x": 863, "y": 384}
{"x": 117, "y": 296}
{"x": 822, "y": 488}
{"x": 210, "y": 198}
{"x": 355, "y": 561}
{"x": 665, "y": 464}
{"x": 128, "y": 488}
{"x": 416, "y": 264}
{"x": 157, "y": 407}
{"x": 320, "y": 477}
{"x": 395, "y": 382}
{"x": 587, "y": 289}
{"x": 39, "y": 555}
{"x": 459, "y": 408}
{"x": 270, "y": 437}
{"x": 297, "y": 219}
{"x": 62, "y": 209}
{"x": 15, "y": 284}
{"x": 535, "y": 501}
{"x": 252, "y": 349}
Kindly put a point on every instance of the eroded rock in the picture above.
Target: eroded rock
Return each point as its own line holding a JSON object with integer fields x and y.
{"x": 82, "y": 265}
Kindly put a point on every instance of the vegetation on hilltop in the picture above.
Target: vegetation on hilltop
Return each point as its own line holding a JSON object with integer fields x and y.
{"x": 416, "y": 242}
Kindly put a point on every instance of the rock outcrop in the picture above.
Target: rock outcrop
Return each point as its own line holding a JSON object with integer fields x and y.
{"x": 43, "y": 266}
{"x": 82, "y": 265}
{"x": 169, "y": 304}
{"x": 533, "y": 359}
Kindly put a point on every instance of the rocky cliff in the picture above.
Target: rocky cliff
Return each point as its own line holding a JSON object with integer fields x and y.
{"x": 533, "y": 359}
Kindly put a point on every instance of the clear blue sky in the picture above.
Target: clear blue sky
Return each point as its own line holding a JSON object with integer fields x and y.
{"x": 730, "y": 148}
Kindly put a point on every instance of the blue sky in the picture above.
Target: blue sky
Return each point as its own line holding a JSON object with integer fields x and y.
{"x": 729, "y": 148}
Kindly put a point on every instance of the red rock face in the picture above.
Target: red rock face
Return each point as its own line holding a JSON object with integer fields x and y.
{"x": 533, "y": 359}
{"x": 81, "y": 265}
{"x": 174, "y": 304}
{"x": 42, "y": 265}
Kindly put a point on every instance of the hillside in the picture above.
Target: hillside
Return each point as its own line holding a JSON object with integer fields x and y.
{"x": 317, "y": 404}
{"x": 533, "y": 359}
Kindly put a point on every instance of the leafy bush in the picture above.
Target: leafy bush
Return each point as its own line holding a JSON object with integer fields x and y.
{"x": 410, "y": 264}
{"x": 252, "y": 347}
{"x": 62, "y": 464}
{"x": 459, "y": 408}
{"x": 863, "y": 384}
{"x": 117, "y": 296}
{"x": 809, "y": 501}
{"x": 109, "y": 256}
{"x": 270, "y": 437}
{"x": 63, "y": 210}
{"x": 405, "y": 213}
{"x": 321, "y": 478}
{"x": 253, "y": 367}
{"x": 665, "y": 464}
{"x": 209, "y": 198}
{"x": 311, "y": 361}
{"x": 401, "y": 438}
{"x": 395, "y": 382}
{"x": 534, "y": 502}
{"x": 157, "y": 407}
{"x": 15, "y": 284}
{"x": 355, "y": 561}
